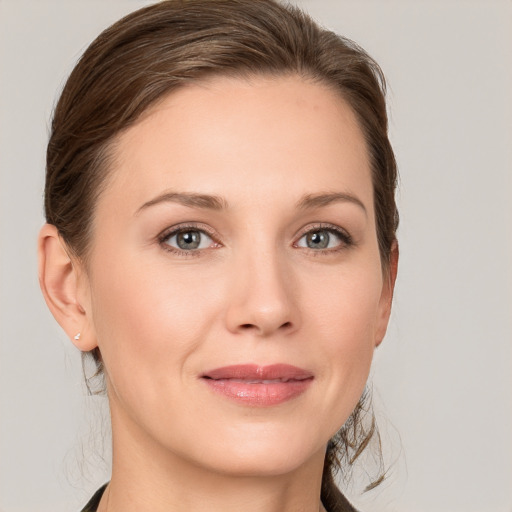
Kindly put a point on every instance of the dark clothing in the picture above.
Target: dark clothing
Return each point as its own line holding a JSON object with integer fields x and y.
{"x": 92, "y": 506}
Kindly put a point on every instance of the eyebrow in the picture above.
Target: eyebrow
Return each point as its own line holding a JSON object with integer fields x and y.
{"x": 212, "y": 202}
{"x": 190, "y": 199}
{"x": 310, "y": 201}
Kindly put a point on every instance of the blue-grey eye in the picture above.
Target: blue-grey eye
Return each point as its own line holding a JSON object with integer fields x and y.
{"x": 189, "y": 239}
{"x": 320, "y": 239}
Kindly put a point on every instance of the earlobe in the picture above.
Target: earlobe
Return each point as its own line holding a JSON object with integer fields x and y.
{"x": 59, "y": 281}
{"x": 386, "y": 298}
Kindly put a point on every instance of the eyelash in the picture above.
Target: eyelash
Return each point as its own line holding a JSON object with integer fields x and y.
{"x": 346, "y": 240}
{"x": 344, "y": 237}
{"x": 183, "y": 228}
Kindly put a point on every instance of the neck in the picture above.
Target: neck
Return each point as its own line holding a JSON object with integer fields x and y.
{"x": 145, "y": 477}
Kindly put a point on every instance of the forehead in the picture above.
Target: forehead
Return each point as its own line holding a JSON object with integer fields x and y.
{"x": 282, "y": 137}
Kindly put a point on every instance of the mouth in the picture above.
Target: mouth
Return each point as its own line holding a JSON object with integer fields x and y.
{"x": 255, "y": 385}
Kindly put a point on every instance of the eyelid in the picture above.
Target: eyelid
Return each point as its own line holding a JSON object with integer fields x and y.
{"x": 345, "y": 237}
{"x": 191, "y": 226}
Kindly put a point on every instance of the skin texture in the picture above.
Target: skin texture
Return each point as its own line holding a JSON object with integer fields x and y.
{"x": 254, "y": 292}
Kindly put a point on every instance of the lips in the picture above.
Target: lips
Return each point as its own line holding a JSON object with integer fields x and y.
{"x": 259, "y": 385}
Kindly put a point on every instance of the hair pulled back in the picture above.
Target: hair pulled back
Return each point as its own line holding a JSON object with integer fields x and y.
{"x": 162, "y": 47}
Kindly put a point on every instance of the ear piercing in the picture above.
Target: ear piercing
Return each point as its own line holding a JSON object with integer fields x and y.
{"x": 77, "y": 337}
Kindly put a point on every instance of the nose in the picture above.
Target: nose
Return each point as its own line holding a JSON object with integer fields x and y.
{"x": 262, "y": 297}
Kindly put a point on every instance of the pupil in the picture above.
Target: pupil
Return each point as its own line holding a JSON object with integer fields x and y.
{"x": 188, "y": 239}
{"x": 318, "y": 240}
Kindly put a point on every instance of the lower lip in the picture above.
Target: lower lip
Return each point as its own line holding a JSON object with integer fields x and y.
{"x": 259, "y": 394}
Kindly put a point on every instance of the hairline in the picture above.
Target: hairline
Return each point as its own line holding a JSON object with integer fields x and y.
{"x": 107, "y": 158}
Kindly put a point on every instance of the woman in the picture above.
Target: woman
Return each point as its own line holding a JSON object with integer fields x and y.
{"x": 221, "y": 238}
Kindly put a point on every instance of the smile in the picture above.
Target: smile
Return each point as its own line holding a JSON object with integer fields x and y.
{"x": 255, "y": 385}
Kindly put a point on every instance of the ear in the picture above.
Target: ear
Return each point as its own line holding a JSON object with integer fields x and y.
{"x": 386, "y": 298}
{"x": 62, "y": 280}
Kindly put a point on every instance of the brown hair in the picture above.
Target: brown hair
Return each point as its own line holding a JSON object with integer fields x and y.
{"x": 160, "y": 48}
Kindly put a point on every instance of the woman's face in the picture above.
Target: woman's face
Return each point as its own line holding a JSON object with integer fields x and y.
{"x": 235, "y": 287}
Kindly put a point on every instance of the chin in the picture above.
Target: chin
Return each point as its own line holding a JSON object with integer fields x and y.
{"x": 260, "y": 464}
{"x": 261, "y": 452}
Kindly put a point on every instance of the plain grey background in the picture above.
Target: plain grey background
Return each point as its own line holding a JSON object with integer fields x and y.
{"x": 442, "y": 378}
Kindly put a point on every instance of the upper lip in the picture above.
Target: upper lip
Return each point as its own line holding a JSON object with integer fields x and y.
{"x": 252, "y": 372}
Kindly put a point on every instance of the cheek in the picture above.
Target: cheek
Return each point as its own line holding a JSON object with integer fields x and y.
{"x": 146, "y": 316}
{"x": 346, "y": 319}
{"x": 346, "y": 307}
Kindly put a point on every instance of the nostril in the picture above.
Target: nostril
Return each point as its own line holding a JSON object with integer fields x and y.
{"x": 247, "y": 327}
